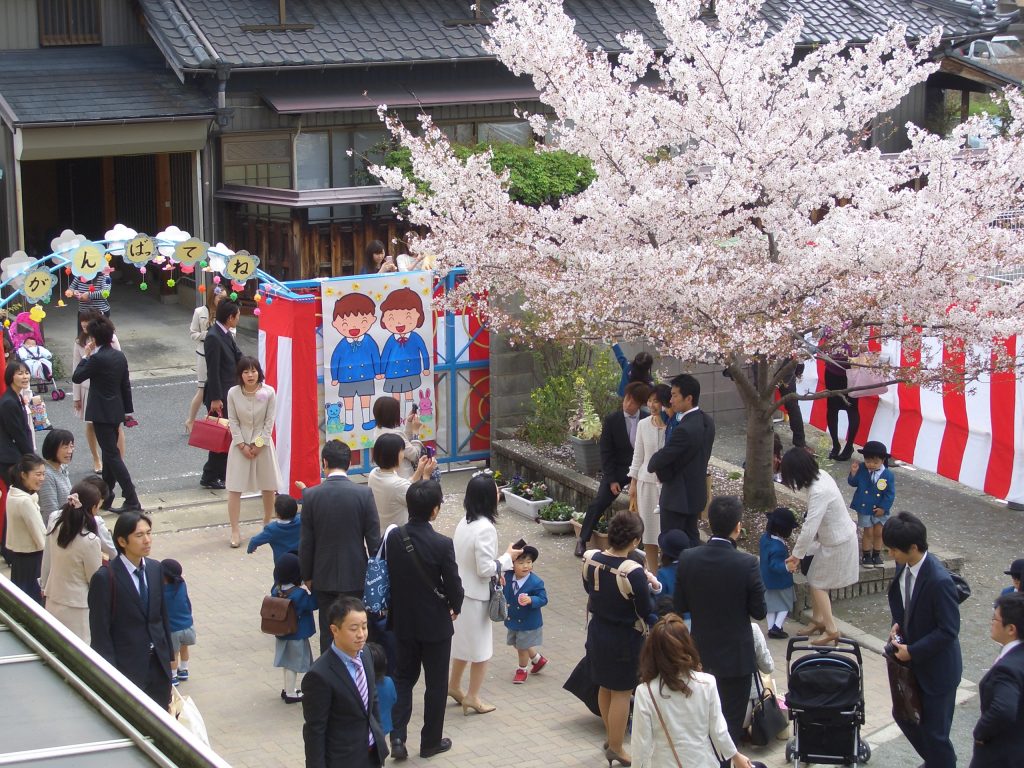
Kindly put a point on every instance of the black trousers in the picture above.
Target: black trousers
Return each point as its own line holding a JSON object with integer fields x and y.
{"x": 158, "y": 684}
{"x": 836, "y": 403}
{"x": 25, "y": 570}
{"x": 796, "y": 418}
{"x": 688, "y": 524}
{"x": 323, "y": 603}
{"x": 734, "y": 693}
{"x": 434, "y": 659}
{"x": 601, "y": 502}
{"x": 930, "y": 737}
{"x": 114, "y": 468}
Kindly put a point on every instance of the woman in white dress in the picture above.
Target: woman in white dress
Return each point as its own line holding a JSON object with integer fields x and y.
{"x": 252, "y": 460}
{"x": 70, "y": 558}
{"x": 828, "y": 534}
{"x": 476, "y": 552}
{"x": 82, "y": 348}
{"x": 644, "y": 491}
{"x": 197, "y": 331}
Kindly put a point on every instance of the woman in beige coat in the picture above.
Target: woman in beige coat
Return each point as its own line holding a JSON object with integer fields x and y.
{"x": 25, "y": 531}
{"x": 71, "y": 557}
{"x": 828, "y": 533}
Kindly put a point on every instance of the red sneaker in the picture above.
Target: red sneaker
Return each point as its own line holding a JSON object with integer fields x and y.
{"x": 541, "y": 663}
{"x": 520, "y": 677}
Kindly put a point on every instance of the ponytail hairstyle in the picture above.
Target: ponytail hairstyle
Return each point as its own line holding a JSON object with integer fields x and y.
{"x": 76, "y": 516}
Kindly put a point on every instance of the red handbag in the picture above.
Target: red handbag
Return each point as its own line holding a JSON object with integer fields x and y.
{"x": 210, "y": 435}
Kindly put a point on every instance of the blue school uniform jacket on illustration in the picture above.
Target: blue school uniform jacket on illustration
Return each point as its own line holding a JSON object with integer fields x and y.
{"x": 525, "y": 617}
{"x": 354, "y": 361}
{"x": 179, "y": 607}
{"x": 305, "y": 604}
{"x": 281, "y": 535}
{"x": 409, "y": 359}
{"x": 774, "y": 573}
{"x": 880, "y": 493}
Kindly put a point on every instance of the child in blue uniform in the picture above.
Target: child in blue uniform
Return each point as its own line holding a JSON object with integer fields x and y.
{"x": 179, "y": 616}
{"x": 291, "y": 652}
{"x": 525, "y": 594}
{"x": 282, "y": 534}
{"x": 387, "y": 695}
{"x": 778, "y": 581}
{"x": 872, "y": 501}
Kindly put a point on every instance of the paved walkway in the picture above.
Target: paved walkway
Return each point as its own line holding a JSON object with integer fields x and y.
{"x": 237, "y": 688}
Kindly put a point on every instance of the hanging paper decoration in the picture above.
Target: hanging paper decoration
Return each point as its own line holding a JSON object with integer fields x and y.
{"x": 241, "y": 267}
{"x": 143, "y": 286}
{"x": 190, "y": 252}
{"x": 170, "y": 283}
{"x": 87, "y": 260}
{"x": 38, "y": 284}
{"x": 37, "y": 313}
{"x": 139, "y": 250}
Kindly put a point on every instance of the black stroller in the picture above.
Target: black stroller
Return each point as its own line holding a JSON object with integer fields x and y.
{"x": 826, "y": 703}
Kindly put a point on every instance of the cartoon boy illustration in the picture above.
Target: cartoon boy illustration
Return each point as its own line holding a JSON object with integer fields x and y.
{"x": 405, "y": 354}
{"x": 356, "y": 360}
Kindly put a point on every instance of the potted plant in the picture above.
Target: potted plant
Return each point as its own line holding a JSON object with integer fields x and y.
{"x": 599, "y": 536}
{"x": 526, "y": 497}
{"x": 556, "y": 517}
{"x": 584, "y": 431}
{"x": 499, "y": 480}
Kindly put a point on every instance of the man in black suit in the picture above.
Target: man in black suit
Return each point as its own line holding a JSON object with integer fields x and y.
{"x": 109, "y": 406}
{"x": 721, "y": 587}
{"x": 339, "y": 697}
{"x": 618, "y": 435}
{"x": 426, "y": 597}
{"x": 925, "y": 630}
{"x": 339, "y": 527}
{"x": 222, "y": 356}
{"x": 999, "y": 734}
{"x": 682, "y": 465}
{"x": 127, "y": 614}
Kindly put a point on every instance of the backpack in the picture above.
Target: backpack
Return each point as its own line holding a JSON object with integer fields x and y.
{"x": 621, "y": 574}
{"x": 377, "y": 590}
{"x": 278, "y": 616}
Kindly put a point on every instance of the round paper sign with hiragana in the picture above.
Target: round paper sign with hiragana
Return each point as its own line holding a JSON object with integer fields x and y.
{"x": 190, "y": 252}
{"x": 241, "y": 266}
{"x": 38, "y": 284}
{"x": 87, "y": 260}
{"x": 139, "y": 250}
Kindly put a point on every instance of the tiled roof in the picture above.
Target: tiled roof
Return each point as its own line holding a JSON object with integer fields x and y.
{"x": 86, "y": 84}
{"x": 367, "y": 32}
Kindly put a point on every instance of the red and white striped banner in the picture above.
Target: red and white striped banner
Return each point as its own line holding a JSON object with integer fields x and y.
{"x": 287, "y": 352}
{"x": 973, "y": 435}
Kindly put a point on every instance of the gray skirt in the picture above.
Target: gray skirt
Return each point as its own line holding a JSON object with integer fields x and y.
{"x": 779, "y": 599}
{"x": 293, "y": 654}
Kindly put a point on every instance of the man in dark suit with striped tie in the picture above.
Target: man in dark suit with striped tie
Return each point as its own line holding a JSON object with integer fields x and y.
{"x": 339, "y": 697}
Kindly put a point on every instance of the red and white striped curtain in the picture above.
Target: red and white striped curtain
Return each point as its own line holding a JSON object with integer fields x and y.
{"x": 972, "y": 434}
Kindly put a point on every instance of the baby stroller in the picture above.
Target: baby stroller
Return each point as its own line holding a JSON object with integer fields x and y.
{"x": 826, "y": 703}
{"x": 27, "y": 340}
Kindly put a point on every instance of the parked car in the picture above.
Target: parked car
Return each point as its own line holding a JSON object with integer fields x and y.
{"x": 998, "y": 50}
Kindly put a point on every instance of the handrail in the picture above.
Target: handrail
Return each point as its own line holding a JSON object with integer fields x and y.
{"x": 116, "y": 697}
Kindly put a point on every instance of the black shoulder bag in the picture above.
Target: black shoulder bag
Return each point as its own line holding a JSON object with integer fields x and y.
{"x": 407, "y": 543}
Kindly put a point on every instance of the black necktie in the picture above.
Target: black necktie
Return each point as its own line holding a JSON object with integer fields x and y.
{"x": 143, "y": 589}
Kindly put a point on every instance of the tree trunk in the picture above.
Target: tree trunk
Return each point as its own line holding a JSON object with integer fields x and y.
{"x": 758, "y": 478}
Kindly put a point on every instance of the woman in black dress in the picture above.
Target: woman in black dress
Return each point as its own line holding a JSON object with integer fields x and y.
{"x": 15, "y": 433}
{"x": 620, "y": 601}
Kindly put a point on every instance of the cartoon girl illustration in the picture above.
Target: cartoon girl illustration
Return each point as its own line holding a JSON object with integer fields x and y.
{"x": 405, "y": 355}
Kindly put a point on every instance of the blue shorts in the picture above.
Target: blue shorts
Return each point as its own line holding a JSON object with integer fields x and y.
{"x": 869, "y": 521}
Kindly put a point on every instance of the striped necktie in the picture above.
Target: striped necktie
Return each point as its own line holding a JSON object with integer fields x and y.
{"x": 364, "y": 692}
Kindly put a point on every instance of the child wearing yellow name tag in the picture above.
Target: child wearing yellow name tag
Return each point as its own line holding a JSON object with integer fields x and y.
{"x": 872, "y": 501}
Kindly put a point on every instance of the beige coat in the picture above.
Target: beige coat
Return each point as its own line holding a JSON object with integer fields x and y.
{"x": 25, "y": 531}
{"x": 829, "y": 534}
{"x": 66, "y": 570}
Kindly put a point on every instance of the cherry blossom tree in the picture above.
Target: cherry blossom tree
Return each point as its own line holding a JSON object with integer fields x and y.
{"x": 738, "y": 213}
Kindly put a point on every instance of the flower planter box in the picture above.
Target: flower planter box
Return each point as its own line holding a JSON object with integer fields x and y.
{"x": 525, "y": 507}
{"x": 588, "y": 455}
{"x": 597, "y": 540}
{"x": 557, "y": 527}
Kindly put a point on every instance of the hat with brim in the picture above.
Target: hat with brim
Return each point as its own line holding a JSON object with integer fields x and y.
{"x": 287, "y": 570}
{"x": 172, "y": 570}
{"x": 530, "y": 552}
{"x": 874, "y": 448}
{"x": 783, "y": 520}
{"x": 672, "y": 543}
{"x": 1016, "y": 568}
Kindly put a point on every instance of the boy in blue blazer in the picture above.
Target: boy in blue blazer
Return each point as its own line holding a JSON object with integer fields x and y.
{"x": 872, "y": 501}
{"x": 282, "y": 534}
{"x": 525, "y": 594}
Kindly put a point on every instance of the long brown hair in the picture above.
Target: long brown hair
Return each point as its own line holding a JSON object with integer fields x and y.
{"x": 86, "y": 316}
{"x": 670, "y": 654}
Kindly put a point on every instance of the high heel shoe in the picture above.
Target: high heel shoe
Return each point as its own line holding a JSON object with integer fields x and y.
{"x": 847, "y": 453}
{"x": 611, "y": 756}
{"x": 456, "y": 694}
{"x": 476, "y": 706}
{"x": 814, "y": 628}
{"x": 829, "y": 638}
